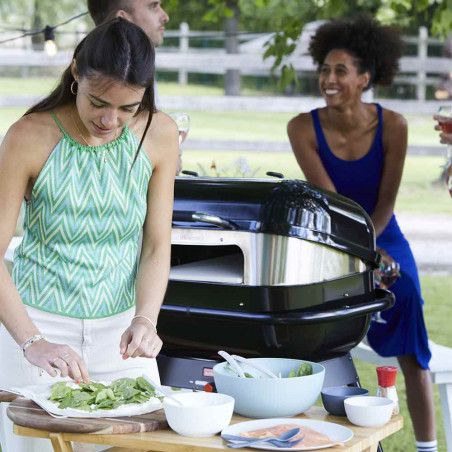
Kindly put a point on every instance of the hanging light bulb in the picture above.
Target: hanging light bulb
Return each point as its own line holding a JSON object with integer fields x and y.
{"x": 49, "y": 38}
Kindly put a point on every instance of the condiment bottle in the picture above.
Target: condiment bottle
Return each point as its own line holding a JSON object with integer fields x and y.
{"x": 386, "y": 385}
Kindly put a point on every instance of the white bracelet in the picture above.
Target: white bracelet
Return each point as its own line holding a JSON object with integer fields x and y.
{"x": 148, "y": 319}
{"x": 31, "y": 340}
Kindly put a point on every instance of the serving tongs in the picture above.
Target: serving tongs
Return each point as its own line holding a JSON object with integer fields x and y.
{"x": 233, "y": 360}
{"x": 257, "y": 366}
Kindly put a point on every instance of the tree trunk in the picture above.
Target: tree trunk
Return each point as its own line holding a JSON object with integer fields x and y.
{"x": 232, "y": 79}
{"x": 37, "y": 41}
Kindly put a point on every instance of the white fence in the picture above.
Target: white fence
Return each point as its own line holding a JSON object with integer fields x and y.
{"x": 185, "y": 59}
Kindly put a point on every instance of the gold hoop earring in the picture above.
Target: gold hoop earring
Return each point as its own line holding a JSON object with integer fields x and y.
{"x": 73, "y": 91}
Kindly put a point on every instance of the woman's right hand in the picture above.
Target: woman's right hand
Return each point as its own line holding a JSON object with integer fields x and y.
{"x": 388, "y": 272}
{"x": 49, "y": 357}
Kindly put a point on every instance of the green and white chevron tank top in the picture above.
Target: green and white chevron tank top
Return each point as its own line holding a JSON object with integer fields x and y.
{"x": 78, "y": 256}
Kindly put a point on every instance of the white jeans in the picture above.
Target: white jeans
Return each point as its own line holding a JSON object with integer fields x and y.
{"x": 96, "y": 341}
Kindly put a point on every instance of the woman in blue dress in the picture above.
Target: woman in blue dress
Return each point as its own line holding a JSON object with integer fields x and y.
{"x": 358, "y": 150}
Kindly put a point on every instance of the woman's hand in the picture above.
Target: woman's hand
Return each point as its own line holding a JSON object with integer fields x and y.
{"x": 140, "y": 339}
{"x": 50, "y": 356}
{"x": 388, "y": 272}
{"x": 445, "y": 138}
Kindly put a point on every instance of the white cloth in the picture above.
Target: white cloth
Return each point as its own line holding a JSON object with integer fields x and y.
{"x": 96, "y": 340}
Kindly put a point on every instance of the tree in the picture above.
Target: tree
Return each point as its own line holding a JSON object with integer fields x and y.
{"x": 287, "y": 17}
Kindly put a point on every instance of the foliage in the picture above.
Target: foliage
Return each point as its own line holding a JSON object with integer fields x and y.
{"x": 287, "y": 17}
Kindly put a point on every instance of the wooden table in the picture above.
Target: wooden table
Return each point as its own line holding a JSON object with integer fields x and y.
{"x": 365, "y": 439}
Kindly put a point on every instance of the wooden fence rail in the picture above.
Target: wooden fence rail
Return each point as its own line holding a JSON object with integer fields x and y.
{"x": 420, "y": 70}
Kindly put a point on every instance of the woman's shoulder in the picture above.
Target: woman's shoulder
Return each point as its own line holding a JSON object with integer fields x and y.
{"x": 393, "y": 120}
{"x": 395, "y": 132}
{"x": 301, "y": 126}
{"x": 301, "y": 120}
{"x": 32, "y": 132}
{"x": 162, "y": 126}
{"x": 162, "y": 136}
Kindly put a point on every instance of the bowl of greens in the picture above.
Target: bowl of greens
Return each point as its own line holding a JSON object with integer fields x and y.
{"x": 295, "y": 390}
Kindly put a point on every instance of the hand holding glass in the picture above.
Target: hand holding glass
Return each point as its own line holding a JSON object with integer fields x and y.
{"x": 444, "y": 118}
{"x": 183, "y": 123}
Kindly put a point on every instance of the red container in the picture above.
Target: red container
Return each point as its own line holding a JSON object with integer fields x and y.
{"x": 386, "y": 376}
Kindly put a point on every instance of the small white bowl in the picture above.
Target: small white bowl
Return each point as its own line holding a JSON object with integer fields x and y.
{"x": 202, "y": 413}
{"x": 367, "y": 411}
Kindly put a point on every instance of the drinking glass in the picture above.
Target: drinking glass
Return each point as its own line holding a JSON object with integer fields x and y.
{"x": 445, "y": 122}
{"x": 385, "y": 276}
{"x": 183, "y": 123}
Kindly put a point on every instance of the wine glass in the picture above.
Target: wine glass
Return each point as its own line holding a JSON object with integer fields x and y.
{"x": 183, "y": 123}
{"x": 385, "y": 276}
{"x": 444, "y": 118}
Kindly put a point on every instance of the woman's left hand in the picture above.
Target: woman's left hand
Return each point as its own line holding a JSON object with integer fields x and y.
{"x": 140, "y": 339}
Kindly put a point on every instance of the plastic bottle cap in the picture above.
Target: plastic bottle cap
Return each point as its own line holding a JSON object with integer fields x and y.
{"x": 208, "y": 388}
{"x": 386, "y": 376}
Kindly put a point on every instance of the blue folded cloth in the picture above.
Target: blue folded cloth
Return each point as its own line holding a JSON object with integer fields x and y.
{"x": 285, "y": 440}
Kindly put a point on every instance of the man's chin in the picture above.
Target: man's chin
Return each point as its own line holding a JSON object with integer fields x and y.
{"x": 157, "y": 41}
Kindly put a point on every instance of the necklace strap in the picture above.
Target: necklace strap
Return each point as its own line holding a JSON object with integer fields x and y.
{"x": 78, "y": 130}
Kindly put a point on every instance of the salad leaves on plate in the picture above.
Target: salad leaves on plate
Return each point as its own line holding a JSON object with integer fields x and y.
{"x": 99, "y": 396}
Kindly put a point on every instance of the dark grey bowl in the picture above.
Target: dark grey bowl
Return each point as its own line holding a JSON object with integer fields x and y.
{"x": 333, "y": 398}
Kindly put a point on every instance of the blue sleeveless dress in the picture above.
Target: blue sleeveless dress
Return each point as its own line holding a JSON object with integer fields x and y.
{"x": 404, "y": 332}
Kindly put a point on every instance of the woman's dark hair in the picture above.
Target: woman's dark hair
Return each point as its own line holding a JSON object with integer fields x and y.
{"x": 377, "y": 48}
{"x": 117, "y": 50}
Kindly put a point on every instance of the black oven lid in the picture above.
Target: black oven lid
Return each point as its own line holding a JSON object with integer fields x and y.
{"x": 286, "y": 207}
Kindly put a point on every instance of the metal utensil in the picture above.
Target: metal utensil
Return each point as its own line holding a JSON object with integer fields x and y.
{"x": 232, "y": 362}
{"x": 162, "y": 390}
{"x": 283, "y": 440}
{"x": 257, "y": 366}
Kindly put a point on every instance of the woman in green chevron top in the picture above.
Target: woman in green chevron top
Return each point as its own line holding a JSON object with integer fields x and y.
{"x": 79, "y": 304}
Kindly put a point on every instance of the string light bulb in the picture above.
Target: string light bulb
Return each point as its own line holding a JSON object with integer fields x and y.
{"x": 49, "y": 44}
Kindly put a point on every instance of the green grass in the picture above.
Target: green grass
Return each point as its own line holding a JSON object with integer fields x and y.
{"x": 210, "y": 125}
{"x": 26, "y": 85}
{"x": 436, "y": 292}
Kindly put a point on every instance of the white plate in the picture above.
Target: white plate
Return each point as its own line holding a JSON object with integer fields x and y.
{"x": 41, "y": 393}
{"x": 337, "y": 433}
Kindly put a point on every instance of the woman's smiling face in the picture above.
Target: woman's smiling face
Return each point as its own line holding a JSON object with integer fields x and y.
{"x": 339, "y": 79}
{"x": 105, "y": 106}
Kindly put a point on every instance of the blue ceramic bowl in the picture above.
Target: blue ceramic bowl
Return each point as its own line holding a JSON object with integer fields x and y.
{"x": 333, "y": 398}
{"x": 269, "y": 397}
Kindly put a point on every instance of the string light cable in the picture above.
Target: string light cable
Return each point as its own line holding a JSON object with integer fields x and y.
{"x": 47, "y": 31}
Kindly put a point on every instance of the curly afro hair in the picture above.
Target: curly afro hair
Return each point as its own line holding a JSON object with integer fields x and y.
{"x": 377, "y": 48}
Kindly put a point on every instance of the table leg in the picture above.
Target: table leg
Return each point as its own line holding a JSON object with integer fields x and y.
{"x": 59, "y": 444}
{"x": 371, "y": 448}
{"x": 445, "y": 394}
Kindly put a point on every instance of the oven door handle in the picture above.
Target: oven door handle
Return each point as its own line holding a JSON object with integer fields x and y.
{"x": 201, "y": 217}
{"x": 383, "y": 300}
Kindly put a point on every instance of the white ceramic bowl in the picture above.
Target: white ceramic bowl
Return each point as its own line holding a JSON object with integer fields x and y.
{"x": 203, "y": 413}
{"x": 271, "y": 397}
{"x": 367, "y": 411}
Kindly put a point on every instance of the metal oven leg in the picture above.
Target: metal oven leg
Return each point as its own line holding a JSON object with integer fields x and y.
{"x": 341, "y": 371}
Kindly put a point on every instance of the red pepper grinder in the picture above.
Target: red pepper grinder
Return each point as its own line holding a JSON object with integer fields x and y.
{"x": 386, "y": 385}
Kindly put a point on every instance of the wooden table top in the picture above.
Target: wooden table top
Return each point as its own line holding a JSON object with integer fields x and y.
{"x": 26, "y": 413}
{"x": 169, "y": 441}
